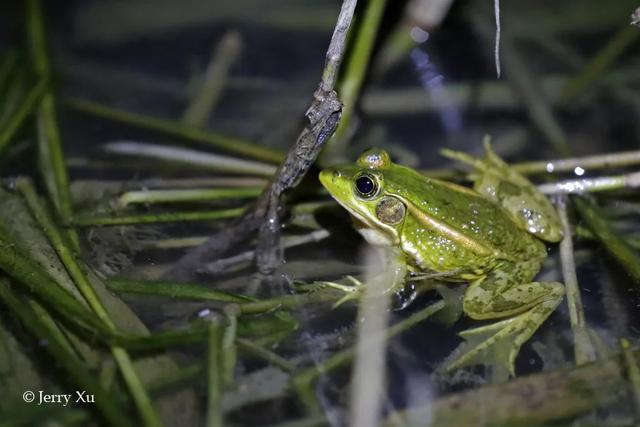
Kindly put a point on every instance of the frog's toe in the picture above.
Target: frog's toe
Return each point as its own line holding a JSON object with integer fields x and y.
{"x": 490, "y": 345}
{"x": 492, "y": 354}
{"x": 352, "y": 295}
{"x": 353, "y": 291}
{"x": 478, "y": 335}
{"x": 355, "y": 282}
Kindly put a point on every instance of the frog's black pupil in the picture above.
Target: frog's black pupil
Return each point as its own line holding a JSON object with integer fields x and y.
{"x": 365, "y": 185}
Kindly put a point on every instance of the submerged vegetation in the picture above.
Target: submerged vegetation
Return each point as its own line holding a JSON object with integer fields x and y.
{"x": 142, "y": 253}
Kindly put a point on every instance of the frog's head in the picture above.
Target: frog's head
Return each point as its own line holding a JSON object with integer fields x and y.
{"x": 360, "y": 189}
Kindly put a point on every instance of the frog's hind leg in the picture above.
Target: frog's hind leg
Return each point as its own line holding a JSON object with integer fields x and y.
{"x": 526, "y": 307}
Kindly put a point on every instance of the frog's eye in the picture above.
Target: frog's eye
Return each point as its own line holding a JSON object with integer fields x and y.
{"x": 366, "y": 186}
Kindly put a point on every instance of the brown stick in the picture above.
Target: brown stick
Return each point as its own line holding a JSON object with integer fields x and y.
{"x": 324, "y": 116}
{"x": 532, "y": 400}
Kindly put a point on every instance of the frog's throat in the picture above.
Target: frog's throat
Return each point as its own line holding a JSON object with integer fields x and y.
{"x": 372, "y": 235}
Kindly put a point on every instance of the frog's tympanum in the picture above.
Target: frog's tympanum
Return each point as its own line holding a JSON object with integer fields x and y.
{"x": 490, "y": 236}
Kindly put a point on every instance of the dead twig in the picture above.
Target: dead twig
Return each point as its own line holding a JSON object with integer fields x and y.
{"x": 324, "y": 116}
{"x": 532, "y": 400}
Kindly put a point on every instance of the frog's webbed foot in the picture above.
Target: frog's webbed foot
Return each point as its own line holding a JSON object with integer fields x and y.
{"x": 489, "y": 345}
{"x": 498, "y": 344}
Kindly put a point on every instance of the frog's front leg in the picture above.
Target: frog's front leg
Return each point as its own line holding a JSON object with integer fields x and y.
{"x": 390, "y": 280}
{"x": 500, "y": 295}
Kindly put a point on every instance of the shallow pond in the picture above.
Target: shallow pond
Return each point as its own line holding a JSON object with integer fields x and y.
{"x": 173, "y": 116}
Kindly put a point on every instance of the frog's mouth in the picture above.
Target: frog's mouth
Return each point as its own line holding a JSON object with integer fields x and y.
{"x": 357, "y": 216}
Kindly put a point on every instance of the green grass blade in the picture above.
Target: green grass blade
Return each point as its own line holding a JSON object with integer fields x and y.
{"x": 177, "y": 129}
{"x": 609, "y": 237}
{"x": 68, "y": 361}
{"x": 58, "y": 240}
{"x": 13, "y": 124}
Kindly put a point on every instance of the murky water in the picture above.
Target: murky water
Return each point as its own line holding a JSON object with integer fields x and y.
{"x": 435, "y": 89}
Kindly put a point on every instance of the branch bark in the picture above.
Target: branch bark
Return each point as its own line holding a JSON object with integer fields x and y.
{"x": 324, "y": 116}
{"x": 532, "y": 400}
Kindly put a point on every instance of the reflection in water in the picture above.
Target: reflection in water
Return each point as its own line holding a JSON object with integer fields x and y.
{"x": 432, "y": 82}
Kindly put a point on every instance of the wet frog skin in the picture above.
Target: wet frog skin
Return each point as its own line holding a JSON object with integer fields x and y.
{"x": 490, "y": 236}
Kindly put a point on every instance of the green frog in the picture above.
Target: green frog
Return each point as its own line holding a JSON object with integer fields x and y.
{"x": 490, "y": 236}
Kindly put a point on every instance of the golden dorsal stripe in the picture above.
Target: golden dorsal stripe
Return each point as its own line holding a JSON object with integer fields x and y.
{"x": 453, "y": 234}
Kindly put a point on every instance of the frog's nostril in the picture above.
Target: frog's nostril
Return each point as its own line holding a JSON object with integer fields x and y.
{"x": 327, "y": 175}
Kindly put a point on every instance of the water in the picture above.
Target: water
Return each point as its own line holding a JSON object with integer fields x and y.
{"x": 440, "y": 93}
